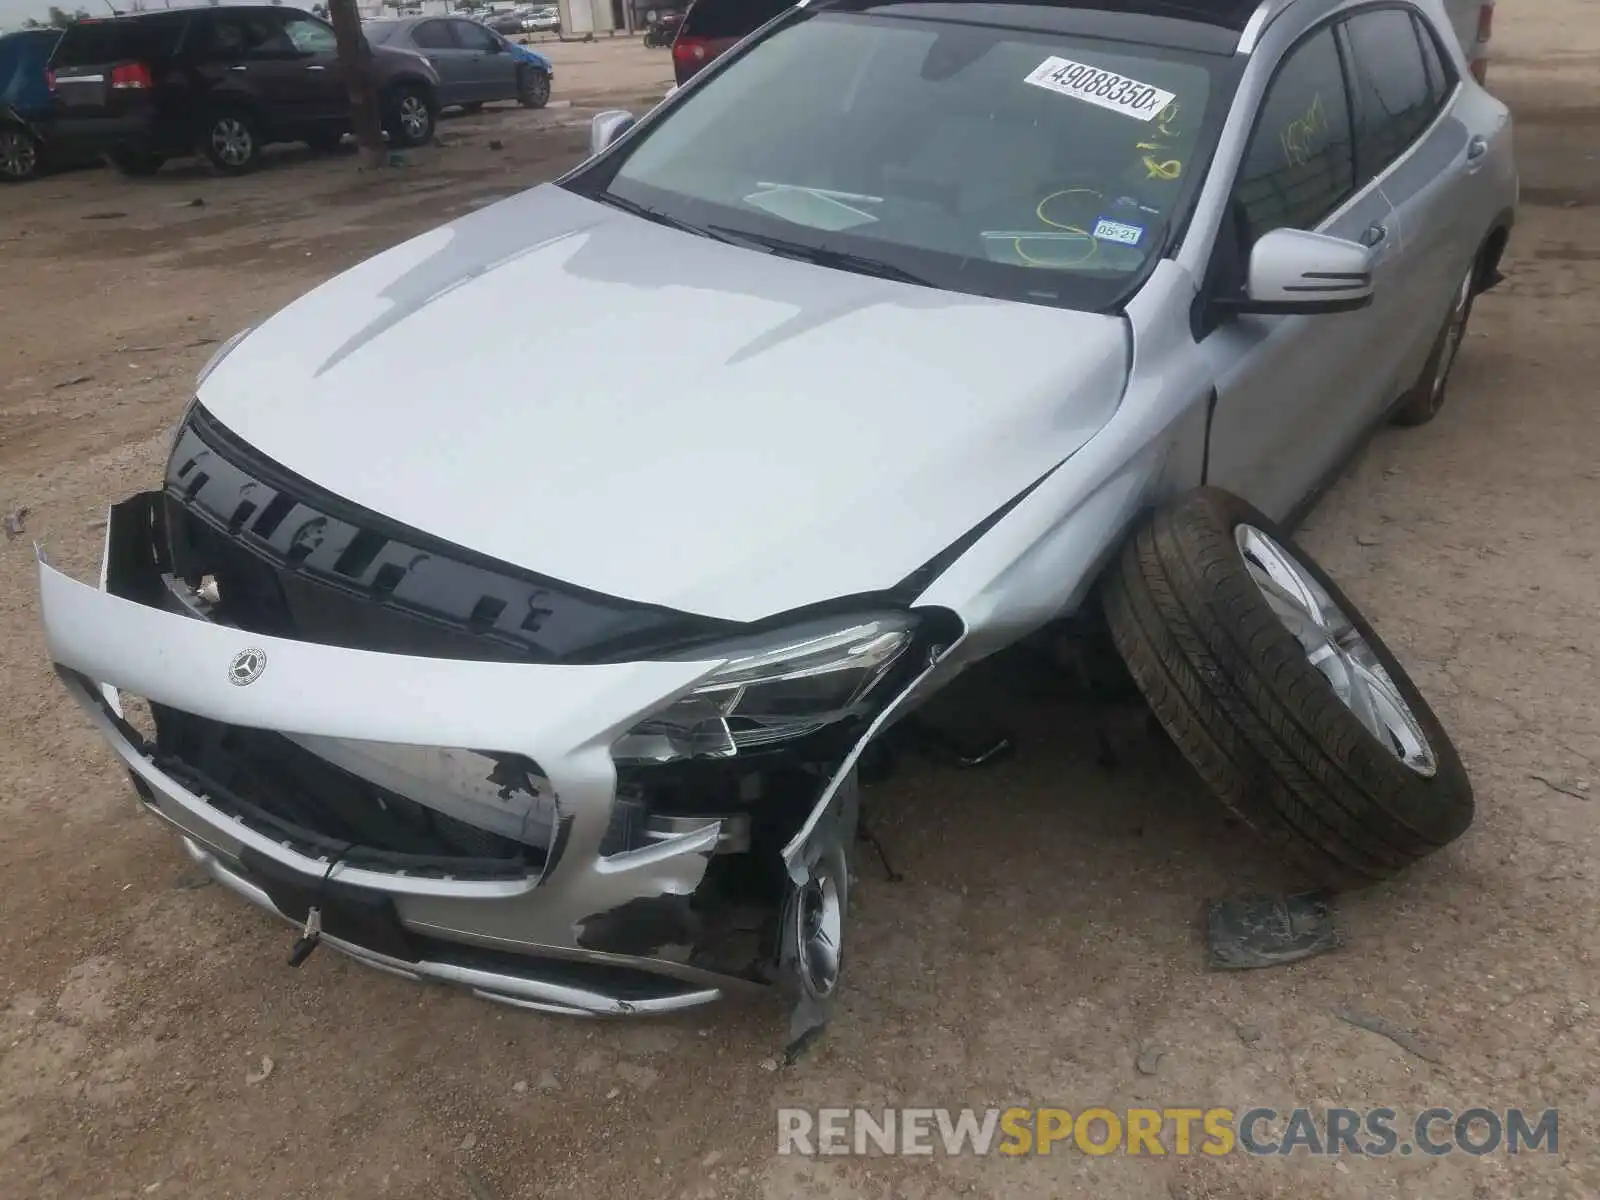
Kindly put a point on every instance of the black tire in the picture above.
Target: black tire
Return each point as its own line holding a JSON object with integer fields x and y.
{"x": 21, "y": 156}
{"x": 1427, "y": 396}
{"x": 408, "y": 115}
{"x": 230, "y": 140}
{"x": 137, "y": 164}
{"x": 533, "y": 87}
{"x": 1263, "y": 726}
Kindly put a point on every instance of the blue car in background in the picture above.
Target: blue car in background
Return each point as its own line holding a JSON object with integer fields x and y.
{"x": 24, "y": 101}
{"x": 476, "y": 65}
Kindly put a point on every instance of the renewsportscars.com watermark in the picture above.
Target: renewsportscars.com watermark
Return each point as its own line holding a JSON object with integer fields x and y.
{"x": 1214, "y": 1132}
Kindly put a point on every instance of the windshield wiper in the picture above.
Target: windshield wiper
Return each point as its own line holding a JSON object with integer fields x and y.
{"x": 636, "y": 209}
{"x": 823, "y": 256}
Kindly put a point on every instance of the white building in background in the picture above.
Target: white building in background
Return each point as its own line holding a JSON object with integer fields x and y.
{"x": 579, "y": 17}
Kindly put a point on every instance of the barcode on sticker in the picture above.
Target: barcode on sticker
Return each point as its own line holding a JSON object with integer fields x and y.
{"x": 1117, "y": 231}
{"x": 1096, "y": 85}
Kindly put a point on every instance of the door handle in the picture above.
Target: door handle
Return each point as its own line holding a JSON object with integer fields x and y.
{"x": 315, "y": 67}
{"x": 1374, "y": 235}
{"x": 1477, "y": 148}
{"x": 237, "y": 67}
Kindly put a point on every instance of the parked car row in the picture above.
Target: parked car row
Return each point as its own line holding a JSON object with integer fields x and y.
{"x": 527, "y": 18}
{"x": 224, "y": 82}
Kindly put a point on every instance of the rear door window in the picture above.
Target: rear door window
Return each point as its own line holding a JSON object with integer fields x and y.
{"x": 88, "y": 43}
{"x": 309, "y": 36}
{"x": 1441, "y": 77}
{"x": 472, "y": 36}
{"x": 730, "y": 18}
{"x": 1394, "y": 100}
{"x": 1300, "y": 165}
{"x": 433, "y": 35}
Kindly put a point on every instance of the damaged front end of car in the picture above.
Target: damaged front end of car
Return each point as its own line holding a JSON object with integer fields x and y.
{"x": 457, "y": 771}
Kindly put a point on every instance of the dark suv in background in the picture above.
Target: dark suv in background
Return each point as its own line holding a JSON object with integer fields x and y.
{"x": 711, "y": 27}
{"x": 221, "y": 82}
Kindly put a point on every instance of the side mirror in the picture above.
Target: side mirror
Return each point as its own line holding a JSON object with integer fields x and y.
{"x": 1292, "y": 271}
{"x": 497, "y": 47}
{"x": 607, "y": 127}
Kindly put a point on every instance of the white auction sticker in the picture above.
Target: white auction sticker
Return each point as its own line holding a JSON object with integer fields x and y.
{"x": 1096, "y": 85}
{"x": 1118, "y": 231}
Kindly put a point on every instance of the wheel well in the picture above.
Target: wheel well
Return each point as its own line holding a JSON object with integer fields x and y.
{"x": 1494, "y": 247}
{"x": 400, "y": 82}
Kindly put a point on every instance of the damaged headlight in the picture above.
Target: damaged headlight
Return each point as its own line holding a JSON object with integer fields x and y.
{"x": 772, "y": 689}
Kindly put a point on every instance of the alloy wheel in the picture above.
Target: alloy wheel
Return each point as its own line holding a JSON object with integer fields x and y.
{"x": 232, "y": 141}
{"x": 1455, "y": 333}
{"x": 19, "y": 155}
{"x": 1334, "y": 646}
{"x": 414, "y": 117}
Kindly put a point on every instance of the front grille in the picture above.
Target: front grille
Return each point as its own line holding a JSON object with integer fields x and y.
{"x": 291, "y": 560}
{"x": 283, "y": 790}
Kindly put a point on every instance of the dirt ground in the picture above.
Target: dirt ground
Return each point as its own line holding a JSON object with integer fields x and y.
{"x": 1045, "y": 943}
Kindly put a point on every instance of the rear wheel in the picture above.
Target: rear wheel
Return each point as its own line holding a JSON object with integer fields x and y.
{"x": 408, "y": 116}
{"x": 1280, "y": 695}
{"x": 20, "y": 158}
{"x": 136, "y": 163}
{"x": 231, "y": 141}
{"x": 533, "y": 87}
{"x": 1423, "y": 402}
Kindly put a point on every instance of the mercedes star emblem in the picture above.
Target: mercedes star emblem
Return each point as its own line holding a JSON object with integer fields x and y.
{"x": 247, "y": 666}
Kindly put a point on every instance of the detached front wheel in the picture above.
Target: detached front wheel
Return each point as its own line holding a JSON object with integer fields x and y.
{"x": 1281, "y": 695}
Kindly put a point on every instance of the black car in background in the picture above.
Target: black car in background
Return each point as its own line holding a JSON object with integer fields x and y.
{"x": 221, "y": 82}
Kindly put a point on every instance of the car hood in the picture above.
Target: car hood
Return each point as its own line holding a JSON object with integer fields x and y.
{"x": 661, "y": 417}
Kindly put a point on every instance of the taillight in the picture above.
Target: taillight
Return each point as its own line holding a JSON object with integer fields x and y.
{"x": 1485, "y": 23}
{"x": 130, "y": 76}
{"x": 50, "y": 80}
{"x": 691, "y": 50}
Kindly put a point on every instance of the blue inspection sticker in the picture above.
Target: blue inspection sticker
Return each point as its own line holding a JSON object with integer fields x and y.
{"x": 1120, "y": 232}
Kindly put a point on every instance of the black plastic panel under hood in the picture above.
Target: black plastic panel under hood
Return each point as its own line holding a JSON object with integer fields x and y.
{"x": 289, "y": 559}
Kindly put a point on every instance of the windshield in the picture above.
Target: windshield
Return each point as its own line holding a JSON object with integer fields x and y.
{"x": 1028, "y": 165}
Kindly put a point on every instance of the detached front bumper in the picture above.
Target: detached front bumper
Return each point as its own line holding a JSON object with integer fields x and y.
{"x": 589, "y": 929}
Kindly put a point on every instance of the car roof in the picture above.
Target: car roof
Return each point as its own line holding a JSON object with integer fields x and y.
{"x": 1208, "y": 26}
{"x": 1233, "y": 15}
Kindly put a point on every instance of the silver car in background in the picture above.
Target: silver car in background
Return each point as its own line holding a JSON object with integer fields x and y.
{"x": 951, "y": 327}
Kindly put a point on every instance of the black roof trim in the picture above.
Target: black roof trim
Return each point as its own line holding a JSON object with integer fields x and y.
{"x": 1205, "y": 26}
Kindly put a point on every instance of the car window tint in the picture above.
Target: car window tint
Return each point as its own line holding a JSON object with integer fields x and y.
{"x": 1441, "y": 79}
{"x": 242, "y": 35}
{"x": 89, "y": 42}
{"x": 379, "y": 32}
{"x": 433, "y": 35}
{"x": 730, "y": 18}
{"x": 1299, "y": 165}
{"x": 1394, "y": 102}
{"x": 471, "y": 36}
{"x": 310, "y": 37}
